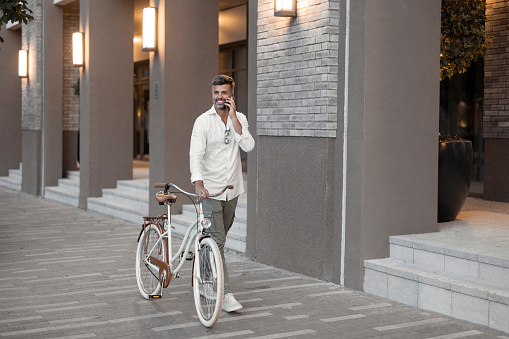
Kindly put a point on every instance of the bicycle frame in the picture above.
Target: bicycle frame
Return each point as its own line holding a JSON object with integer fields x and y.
{"x": 194, "y": 234}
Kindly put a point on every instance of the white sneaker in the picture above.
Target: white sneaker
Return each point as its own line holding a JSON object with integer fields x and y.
{"x": 231, "y": 304}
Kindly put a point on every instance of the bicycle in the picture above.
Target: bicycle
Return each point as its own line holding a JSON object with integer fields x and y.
{"x": 154, "y": 260}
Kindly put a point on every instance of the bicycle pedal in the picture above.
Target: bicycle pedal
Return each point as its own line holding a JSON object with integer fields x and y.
{"x": 177, "y": 275}
{"x": 156, "y": 296}
{"x": 190, "y": 256}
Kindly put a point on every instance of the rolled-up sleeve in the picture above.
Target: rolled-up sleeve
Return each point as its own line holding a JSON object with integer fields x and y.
{"x": 197, "y": 150}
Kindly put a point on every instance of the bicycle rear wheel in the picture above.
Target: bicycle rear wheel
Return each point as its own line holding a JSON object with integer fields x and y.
{"x": 147, "y": 273}
{"x": 208, "y": 283}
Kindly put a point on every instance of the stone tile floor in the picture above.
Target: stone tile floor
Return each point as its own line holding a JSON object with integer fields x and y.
{"x": 69, "y": 273}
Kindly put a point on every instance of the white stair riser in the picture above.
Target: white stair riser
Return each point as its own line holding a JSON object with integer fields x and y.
{"x": 132, "y": 187}
{"x": 480, "y": 309}
{"x": 132, "y": 216}
{"x": 73, "y": 175}
{"x": 468, "y": 266}
{"x": 231, "y": 243}
{"x": 126, "y": 205}
{"x": 112, "y": 194}
{"x": 64, "y": 199}
{"x": 15, "y": 174}
{"x": 11, "y": 184}
{"x": 240, "y": 213}
{"x": 69, "y": 185}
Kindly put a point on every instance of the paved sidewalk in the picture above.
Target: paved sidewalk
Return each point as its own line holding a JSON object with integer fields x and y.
{"x": 68, "y": 273}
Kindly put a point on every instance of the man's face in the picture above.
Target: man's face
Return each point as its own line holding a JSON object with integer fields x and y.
{"x": 219, "y": 95}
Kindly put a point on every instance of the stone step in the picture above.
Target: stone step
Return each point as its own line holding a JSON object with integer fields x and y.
{"x": 10, "y": 183}
{"x": 68, "y": 190}
{"x": 461, "y": 271}
{"x": 134, "y": 187}
{"x": 240, "y": 212}
{"x": 75, "y": 175}
{"x": 129, "y": 201}
{"x": 15, "y": 174}
{"x": 62, "y": 195}
{"x": 121, "y": 194}
{"x": 13, "y": 180}
{"x": 119, "y": 208}
{"x": 453, "y": 295}
{"x": 70, "y": 184}
{"x": 235, "y": 240}
{"x": 462, "y": 259}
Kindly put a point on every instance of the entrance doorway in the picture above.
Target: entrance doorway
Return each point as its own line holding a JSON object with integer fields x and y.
{"x": 141, "y": 110}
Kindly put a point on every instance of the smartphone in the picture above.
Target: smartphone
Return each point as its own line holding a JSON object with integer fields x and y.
{"x": 233, "y": 98}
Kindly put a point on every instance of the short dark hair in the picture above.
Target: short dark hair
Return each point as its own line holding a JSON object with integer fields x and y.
{"x": 224, "y": 80}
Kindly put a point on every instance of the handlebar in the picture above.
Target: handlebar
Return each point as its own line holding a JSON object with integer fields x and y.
{"x": 167, "y": 186}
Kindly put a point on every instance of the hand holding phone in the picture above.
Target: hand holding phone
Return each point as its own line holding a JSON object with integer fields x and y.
{"x": 230, "y": 104}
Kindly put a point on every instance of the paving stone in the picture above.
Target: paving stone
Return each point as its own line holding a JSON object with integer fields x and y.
{"x": 69, "y": 273}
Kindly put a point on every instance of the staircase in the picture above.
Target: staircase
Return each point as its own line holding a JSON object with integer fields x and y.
{"x": 129, "y": 201}
{"x": 13, "y": 180}
{"x": 461, "y": 271}
{"x": 68, "y": 189}
{"x": 236, "y": 238}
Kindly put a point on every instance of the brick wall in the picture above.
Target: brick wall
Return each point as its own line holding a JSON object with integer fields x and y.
{"x": 71, "y": 74}
{"x": 31, "y": 87}
{"x": 298, "y": 70}
{"x": 496, "y": 71}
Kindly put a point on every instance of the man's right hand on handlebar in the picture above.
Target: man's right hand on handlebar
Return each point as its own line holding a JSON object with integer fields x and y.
{"x": 201, "y": 191}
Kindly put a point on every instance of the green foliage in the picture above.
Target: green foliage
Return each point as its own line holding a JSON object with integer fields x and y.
{"x": 14, "y": 10}
{"x": 448, "y": 138}
{"x": 463, "y": 35}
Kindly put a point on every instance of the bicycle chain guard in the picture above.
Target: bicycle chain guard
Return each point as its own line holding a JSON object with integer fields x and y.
{"x": 163, "y": 267}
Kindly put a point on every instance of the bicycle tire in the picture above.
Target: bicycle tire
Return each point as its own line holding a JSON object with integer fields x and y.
{"x": 146, "y": 277}
{"x": 208, "y": 282}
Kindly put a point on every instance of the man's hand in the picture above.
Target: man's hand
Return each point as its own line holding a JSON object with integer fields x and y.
{"x": 201, "y": 191}
{"x": 232, "y": 107}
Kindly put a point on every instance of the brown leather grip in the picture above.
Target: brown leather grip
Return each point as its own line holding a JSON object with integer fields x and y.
{"x": 160, "y": 185}
{"x": 230, "y": 187}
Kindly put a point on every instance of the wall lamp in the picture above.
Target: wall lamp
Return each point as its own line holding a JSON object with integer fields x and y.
{"x": 149, "y": 43}
{"x": 285, "y": 8}
{"x": 77, "y": 49}
{"x": 23, "y": 63}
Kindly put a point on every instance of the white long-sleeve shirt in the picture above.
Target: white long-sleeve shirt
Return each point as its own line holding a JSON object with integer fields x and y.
{"x": 212, "y": 160}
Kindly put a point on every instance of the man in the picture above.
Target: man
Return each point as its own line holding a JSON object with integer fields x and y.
{"x": 214, "y": 157}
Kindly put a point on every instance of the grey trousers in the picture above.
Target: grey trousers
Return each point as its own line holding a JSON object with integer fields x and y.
{"x": 221, "y": 214}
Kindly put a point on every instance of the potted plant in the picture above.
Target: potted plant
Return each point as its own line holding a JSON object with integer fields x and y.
{"x": 455, "y": 157}
{"x": 463, "y": 40}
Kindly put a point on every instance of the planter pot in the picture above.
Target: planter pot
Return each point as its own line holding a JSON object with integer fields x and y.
{"x": 454, "y": 173}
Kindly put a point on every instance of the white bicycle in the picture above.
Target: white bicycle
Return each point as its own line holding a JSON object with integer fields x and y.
{"x": 154, "y": 258}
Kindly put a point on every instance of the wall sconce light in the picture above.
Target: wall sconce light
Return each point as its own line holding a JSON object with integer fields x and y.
{"x": 285, "y": 8}
{"x": 23, "y": 63}
{"x": 77, "y": 49}
{"x": 149, "y": 43}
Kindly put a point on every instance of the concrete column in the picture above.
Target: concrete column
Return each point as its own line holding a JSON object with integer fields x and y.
{"x": 32, "y": 102}
{"x": 10, "y": 102}
{"x": 52, "y": 92}
{"x": 393, "y": 96}
{"x": 387, "y": 95}
{"x": 252, "y": 157}
{"x": 106, "y": 96}
{"x": 181, "y": 74}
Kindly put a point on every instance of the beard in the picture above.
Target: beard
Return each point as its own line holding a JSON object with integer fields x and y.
{"x": 220, "y": 106}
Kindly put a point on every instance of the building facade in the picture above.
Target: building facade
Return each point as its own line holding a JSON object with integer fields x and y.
{"x": 342, "y": 100}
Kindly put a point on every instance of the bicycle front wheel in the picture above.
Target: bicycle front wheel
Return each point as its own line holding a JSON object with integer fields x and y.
{"x": 208, "y": 283}
{"x": 147, "y": 273}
